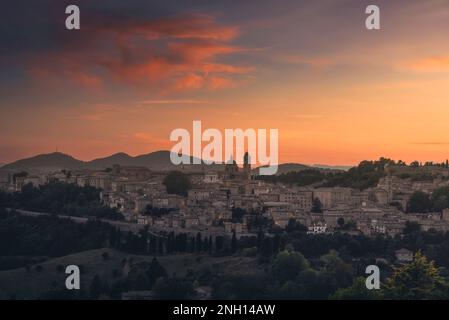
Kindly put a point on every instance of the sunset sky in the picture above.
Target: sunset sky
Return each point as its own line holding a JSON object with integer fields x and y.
{"x": 138, "y": 69}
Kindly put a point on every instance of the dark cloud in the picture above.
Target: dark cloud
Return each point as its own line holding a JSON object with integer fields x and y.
{"x": 139, "y": 44}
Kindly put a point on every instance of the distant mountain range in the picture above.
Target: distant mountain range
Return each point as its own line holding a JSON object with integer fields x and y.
{"x": 297, "y": 167}
{"x": 54, "y": 160}
{"x": 157, "y": 161}
{"x": 324, "y": 166}
{"x": 291, "y": 167}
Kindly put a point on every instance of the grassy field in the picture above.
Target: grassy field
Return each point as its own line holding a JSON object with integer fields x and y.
{"x": 28, "y": 284}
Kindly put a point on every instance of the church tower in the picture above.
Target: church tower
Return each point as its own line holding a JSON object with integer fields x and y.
{"x": 247, "y": 165}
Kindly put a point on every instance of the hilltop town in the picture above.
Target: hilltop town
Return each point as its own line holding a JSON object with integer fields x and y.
{"x": 229, "y": 199}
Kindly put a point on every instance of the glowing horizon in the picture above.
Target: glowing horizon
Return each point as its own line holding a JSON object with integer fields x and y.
{"x": 337, "y": 93}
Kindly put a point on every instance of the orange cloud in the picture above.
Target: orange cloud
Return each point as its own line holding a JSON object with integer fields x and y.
{"x": 221, "y": 83}
{"x": 183, "y": 26}
{"x": 189, "y": 82}
{"x": 430, "y": 64}
{"x": 225, "y": 68}
{"x": 163, "y": 55}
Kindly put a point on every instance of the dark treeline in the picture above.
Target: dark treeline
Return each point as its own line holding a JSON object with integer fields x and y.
{"x": 434, "y": 244}
{"x": 422, "y": 202}
{"x": 288, "y": 275}
{"x": 300, "y": 266}
{"x": 52, "y": 236}
{"x": 365, "y": 175}
{"x": 60, "y": 198}
{"x": 299, "y": 178}
{"x": 177, "y": 182}
{"x": 49, "y": 235}
{"x": 170, "y": 243}
{"x": 292, "y": 264}
{"x": 333, "y": 266}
